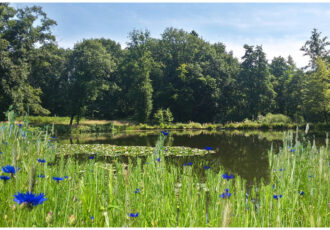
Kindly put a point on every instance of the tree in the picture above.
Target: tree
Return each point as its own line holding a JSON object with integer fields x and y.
{"x": 316, "y": 47}
{"x": 279, "y": 69}
{"x": 194, "y": 78}
{"x": 255, "y": 84}
{"x": 48, "y": 68}
{"x": 316, "y": 100}
{"x": 107, "y": 104}
{"x": 135, "y": 82}
{"x": 89, "y": 68}
{"x": 20, "y": 31}
{"x": 293, "y": 86}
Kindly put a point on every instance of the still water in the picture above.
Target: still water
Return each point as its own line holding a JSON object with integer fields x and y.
{"x": 243, "y": 153}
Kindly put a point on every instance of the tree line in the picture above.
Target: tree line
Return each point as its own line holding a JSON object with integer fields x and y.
{"x": 180, "y": 73}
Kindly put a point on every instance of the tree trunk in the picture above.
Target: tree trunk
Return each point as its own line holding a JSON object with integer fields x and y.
{"x": 71, "y": 120}
{"x": 325, "y": 116}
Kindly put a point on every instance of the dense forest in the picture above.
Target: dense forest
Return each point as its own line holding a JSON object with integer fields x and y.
{"x": 180, "y": 74}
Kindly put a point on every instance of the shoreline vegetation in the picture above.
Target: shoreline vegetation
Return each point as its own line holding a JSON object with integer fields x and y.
{"x": 44, "y": 187}
{"x": 60, "y": 125}
{"x": 177, "y": 76}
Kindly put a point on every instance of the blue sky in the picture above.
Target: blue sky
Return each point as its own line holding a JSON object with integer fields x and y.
{"x": 282, "y": 28}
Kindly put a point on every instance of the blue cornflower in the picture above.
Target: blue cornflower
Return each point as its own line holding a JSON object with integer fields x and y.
{"x": 226, "y": 194}
{"x": 276, "y": 197}
{"x": 20, "y": 125}
{"x": 58, "y": 179}
{"x": 166, "y": 149}
{"x": 137, "y": 191}
{"x": 29, "y": 198}
{"x": 0, "y": 152}
{"x": 66, "y": 177}
{"x": 134, "y": 215}
{"x": 292, "y": 150}
{"x": 206, "y": 167}
{"x": 310, "y": 176}
{"x": 228, "y": 177}
{"x": 208, "y": 148}
{"x": 23, "y": 135}
{"x": 54, "y": 137}
{"x": 41, "y": 176}
{"x": 273, "y": 186}
{"x": 10, "y": 169}
{"x": 301, "y": 193}
{"x": 158, "y": 159}
{"x": 92, "y": 218}
{"x": 187, "y": 164}
{"x": 41, "y": 160}
{"x": 165, "y": 133}
{"x": 6, "y": 143}
{"x": 91, "y": 157}
{"x": 4, "y": 178}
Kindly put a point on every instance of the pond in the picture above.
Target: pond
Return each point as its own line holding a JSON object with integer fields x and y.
{"x": 243, "y": 153}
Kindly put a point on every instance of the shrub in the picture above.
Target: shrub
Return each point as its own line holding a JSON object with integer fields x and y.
{"x": 163, "y": 116}
{"x": 274, "y": 118}
{"x": 159, "y": 117}
{"x": 168, "y": 116}
{"x": 194, "y": 125}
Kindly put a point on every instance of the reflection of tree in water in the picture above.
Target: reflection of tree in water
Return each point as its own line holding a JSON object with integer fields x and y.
{"x": 240, "y": 153}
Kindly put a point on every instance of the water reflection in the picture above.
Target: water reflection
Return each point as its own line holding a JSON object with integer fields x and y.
{"x": 241, "y": 153}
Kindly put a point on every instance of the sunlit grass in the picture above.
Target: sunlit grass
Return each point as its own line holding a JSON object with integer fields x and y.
{"x": 98, "y": 194}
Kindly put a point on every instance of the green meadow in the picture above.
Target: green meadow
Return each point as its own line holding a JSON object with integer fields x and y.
{"x": 153, "y": 193}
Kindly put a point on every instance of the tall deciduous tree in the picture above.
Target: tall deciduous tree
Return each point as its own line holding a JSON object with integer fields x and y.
{"x": 293, "y": 86}
{"x": 136, "y": 81}
{"x": 107, "y": 104}
{"x": 48, "y": 68}
{"x": 279, "y": 69}
{"x": 90, "y": 67}
{"x": 316, "y": 93}
{"x": 20, "y": 31}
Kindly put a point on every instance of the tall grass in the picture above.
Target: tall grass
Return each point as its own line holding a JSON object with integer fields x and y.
{"x": 168, "y": 196}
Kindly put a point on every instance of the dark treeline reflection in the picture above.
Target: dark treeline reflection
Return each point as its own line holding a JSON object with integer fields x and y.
{"x": 239, "y": 153}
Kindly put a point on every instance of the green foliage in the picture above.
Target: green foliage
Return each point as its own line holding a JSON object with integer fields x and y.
{"x": 196, "y": 80}
{"x": 315, "y": 95}
{"x": 274, "y": 118}
{"x": 106, "y": 191}
{"x": 48, "y": 69}
{"x": 18, "y": 36}
{"x": 168, "y": 116}
{"x": 163, "y": 116}
{"x": 159, "y": 117}
{"x": 136, "y": 82}
{"x": 88, "y": 70}
{"x": 45, "y": 120}
{"x": 255, "y": 83}
{"x": 316, "y": 48}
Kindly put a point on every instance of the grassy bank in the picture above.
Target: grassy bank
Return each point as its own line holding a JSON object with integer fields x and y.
{"x": 60, "y": 125}
{"x": 97, "y": 194}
